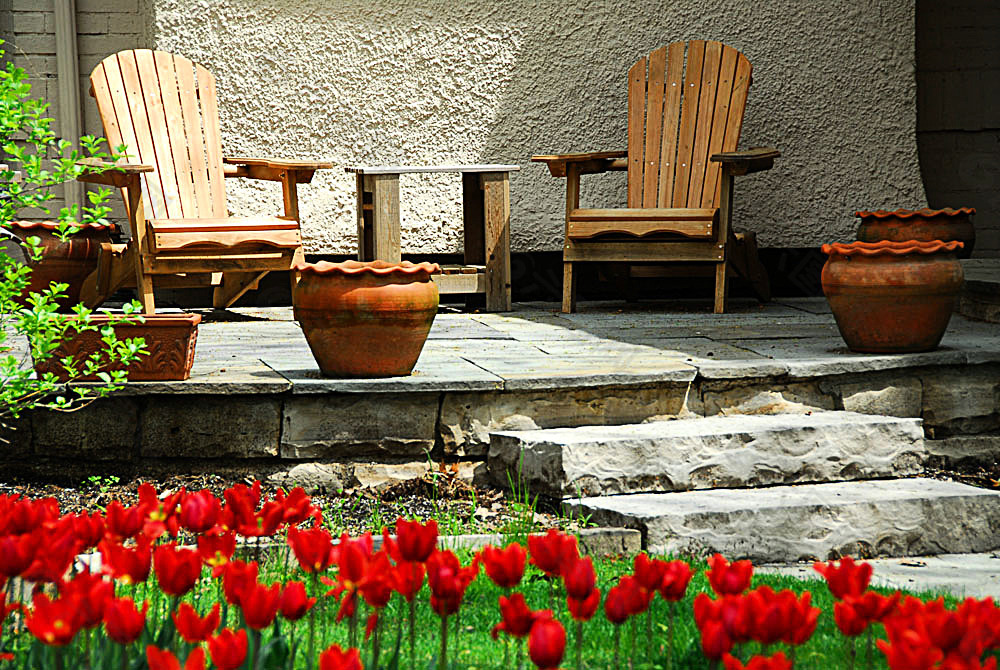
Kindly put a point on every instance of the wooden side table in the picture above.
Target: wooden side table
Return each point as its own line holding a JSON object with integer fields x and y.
{"x": 486, "y": 214}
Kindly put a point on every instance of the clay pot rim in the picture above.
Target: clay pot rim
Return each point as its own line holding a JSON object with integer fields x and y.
{"x": 52, "y": 225}
{"x": 153, "y": 320}
{"x": 356, "y": 268}
{"x": 890, "y": 248}
{"x": 911, "y": 213}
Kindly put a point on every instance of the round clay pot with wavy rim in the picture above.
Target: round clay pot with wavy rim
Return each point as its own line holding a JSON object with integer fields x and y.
{"x": 892, "y": 297}
{"x": 366, "y": 319}
{"x": 70, "y": 261}
{"x": 925, "y": 225}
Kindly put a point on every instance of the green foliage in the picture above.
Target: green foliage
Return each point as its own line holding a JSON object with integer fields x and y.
{"x": 43, "y": 161}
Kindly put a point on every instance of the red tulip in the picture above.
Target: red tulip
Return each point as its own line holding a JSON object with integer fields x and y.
{"x": 448, "y": 581}
{"x": 615, "y": 606}
{"x": 909, "y": 650}
{"x": 847, "y": 579}
{"x": 335, "y": 658}
{"x": 729, "y": 578}
{"x": 260, "y": 604}
{"x": 376, "y": 586}
{"x": 236, "y": 578}
{"x": 715, "y": 642}
{"x": 17, "y": 552}
{"x": 517, "y": 617}
{"x": 676, "y": 577}
{"x": 123, "y": 622}
{"x": 553, "y": 551}
{"x": 504, "y": 566}
{"x": 297, "y": 506}
{"x": 52, "y": 564}
{"x": 217, "y": 550}
{"x": 803, "y": 621}
{"x": 579, "y": 578}
{"x": 177, "y": 568}
{"x": 93, "y": 593}
{"x": 89, "y": 529}
{"x": 129, "y": 565}
{"x": 294, "y": 604}
{"x": 228, "y": 649}
{"x": 313, "y": 548}
{"x": 193, "y": 628}
{"x": 54, "y": 622}
{"x": 20, "y": 515}
{"x": 123, "y": 523}
{"x": 649, "y": 572}
{"x": 158, "y": 659}
{"x": 637, "y": 599}
{"x": 416, "y": 541}
{"x": 584, "y": 610}
{"x": 407, "y": 578}
{"x": 850, "y": 622}
{"x": 776, "y": 662}
{"x": 547, "y": 643}
{"x": 200, "y": 511}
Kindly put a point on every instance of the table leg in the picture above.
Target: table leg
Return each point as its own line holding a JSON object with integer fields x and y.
{"x": 378, "y": 236}
{"x": 496, "y": 233}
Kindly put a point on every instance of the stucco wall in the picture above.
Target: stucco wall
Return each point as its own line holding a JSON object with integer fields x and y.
{"x": 428, "y": 81}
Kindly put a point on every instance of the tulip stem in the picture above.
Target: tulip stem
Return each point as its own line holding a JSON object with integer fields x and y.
{"x": 124, "y": 658}
{"x": 851, "y": 652}
{"x": 413, "y": 632}
{"x": 255, "y": 635}
{"x": 631, "y": 655}
{"x": 649, "y": 631}
{"x": 311, "y": 649}
{"x": 871, "y": 645}
{"x": 670, "y": 633}
{"x": 579, "y": 645}
{"x": 443, "y": 656}
{"x": 618, "y": 644}
{"x": 376, "y": 640}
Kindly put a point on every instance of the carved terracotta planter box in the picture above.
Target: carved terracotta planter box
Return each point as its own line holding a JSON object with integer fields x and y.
{"x": 924, "y": 225}
{"x": 170, "y": 340}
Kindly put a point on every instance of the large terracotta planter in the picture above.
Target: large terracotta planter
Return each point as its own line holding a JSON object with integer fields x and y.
{"x": 366, "y": 319}
{"x": 70, "y": 261}
{"x": 170, "y": 340}
{"x": 892, "y": 297}
{"x": 925, "y": 225}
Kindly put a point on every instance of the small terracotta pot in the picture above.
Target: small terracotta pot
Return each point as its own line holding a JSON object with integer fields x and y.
{"x": 892, "y": 297}
{"x": 170, "y": 340}
{"x": 366, "y": 319}
{"x": 925, "y": 225}
{"x": 70, "y": 261}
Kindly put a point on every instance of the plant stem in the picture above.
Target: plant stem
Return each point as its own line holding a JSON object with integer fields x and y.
{"x": 618, "y": 644}
{"x": 311, "y": 648}
{"x": 579, "y": 645}
{"x": 851, "y": 652}
{"x": 124, "y": 657}
{"x": 670, "y": 634}
{"x": 631, "y": 655}
{"x": 256, "y": 635}
{"x": 443, "y": 656}
{"x": 871, "y": 645}
{"x": 376, "y": 640}
{"x": 413, "y": 632}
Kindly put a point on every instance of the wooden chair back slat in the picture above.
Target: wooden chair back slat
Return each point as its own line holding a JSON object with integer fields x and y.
{"x": 163, "y": 107}
{"x": 654, "y": 127}
{"x": 703, "y": 126}
{"x": 685, "y": 103}
{"x": 174, "y": 119}
{"x": 674, "y": 86}
{"x": 636, "y": 131}
{"x": 195, "y": 136}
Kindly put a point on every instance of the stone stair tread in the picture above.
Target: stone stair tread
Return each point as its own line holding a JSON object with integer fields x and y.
{"x": 712, "y": 452}
{"x": 894, "y": 517}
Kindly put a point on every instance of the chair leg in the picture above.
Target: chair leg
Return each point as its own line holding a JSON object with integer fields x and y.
{"x": 569, "y": 288}
{"x": 721, "y": 270}
{"x": 144, "y": 287}
{"x": 234, "y": 285}
{"x": 298, "y": 256}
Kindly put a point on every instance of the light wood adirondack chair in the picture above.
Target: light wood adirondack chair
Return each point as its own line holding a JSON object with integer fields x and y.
{"x": 684, "y": 120}
{"x": 163, "y": 108}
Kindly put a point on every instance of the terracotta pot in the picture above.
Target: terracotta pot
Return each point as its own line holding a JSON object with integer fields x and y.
{"x": 366, "y": 319}
{"x": 70, "y": 261}
{"x": 170, "y": 340}
{"x": 925, "y": 225}
{"x": 892, "y": 297}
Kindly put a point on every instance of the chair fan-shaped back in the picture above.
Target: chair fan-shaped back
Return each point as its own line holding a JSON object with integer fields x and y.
{"x": 685, "y": 103}
{"x": 163, "y": 108}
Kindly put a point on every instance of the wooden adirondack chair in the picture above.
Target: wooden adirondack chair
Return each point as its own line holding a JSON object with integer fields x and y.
{"x": 684, "y": 120}
{"x": 163, "y": 108}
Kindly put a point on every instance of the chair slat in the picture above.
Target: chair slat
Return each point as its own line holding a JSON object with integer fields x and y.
{"x": 689, "y": 120}
{"x": 101, "y": 90}
{"x": 654, "y": 126}
{"x": 727, "y": 75}
{"x": 737, "y": 104}
{"x": 143, "y": 138}
{"x": 636, "y": 131}
{"x": 194, "y": 134}
{"x": 155, "y": 114}
{"x": 674, "y": 84}
{"x": 170, "y": 96}
{"x": 213, "y": 139}
{"x": 703, "y": 127}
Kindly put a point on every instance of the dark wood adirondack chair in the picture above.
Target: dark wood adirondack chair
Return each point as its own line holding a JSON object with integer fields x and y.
{"x": 684, "y": 121}
{"x": 163, "y": 108}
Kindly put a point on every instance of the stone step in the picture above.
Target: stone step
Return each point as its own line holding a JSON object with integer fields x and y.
{"x": 713, "y": 452}
{"x": 980, "y": 297}
{"x": 896, "y": 517}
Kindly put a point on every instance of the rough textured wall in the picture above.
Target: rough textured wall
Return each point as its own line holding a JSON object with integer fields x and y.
{"x": 428, "y": 81}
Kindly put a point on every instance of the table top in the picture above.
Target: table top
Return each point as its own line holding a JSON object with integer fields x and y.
{"x": 400, "y": 169}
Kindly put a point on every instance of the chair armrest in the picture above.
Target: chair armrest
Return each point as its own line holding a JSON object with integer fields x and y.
{"x": 272, "y": 169}
{"x": 747, "y": 161}
{"x": 587, "y": 163}
{"x": 119, "y": 175}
